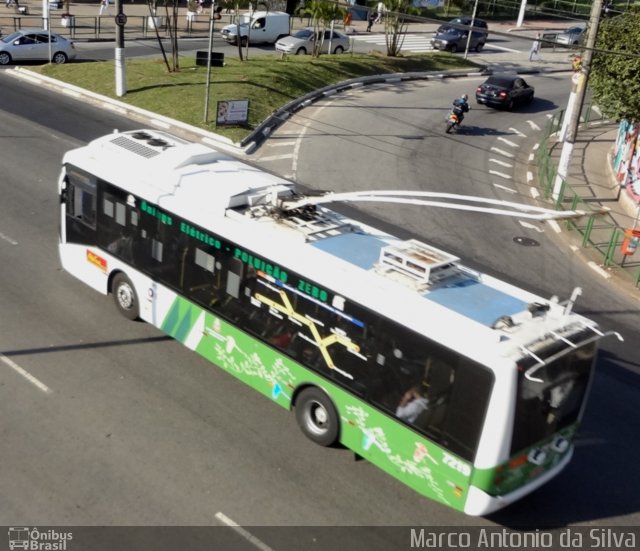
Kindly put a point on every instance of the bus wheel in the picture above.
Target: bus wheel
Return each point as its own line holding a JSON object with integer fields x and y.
{"x": 125, "y": 297}
{"x": 317, "y": 416}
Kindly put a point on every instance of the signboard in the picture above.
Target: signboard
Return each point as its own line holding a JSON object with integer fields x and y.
{"x": 121, "y": 20}
{"x": 232, "y": 112}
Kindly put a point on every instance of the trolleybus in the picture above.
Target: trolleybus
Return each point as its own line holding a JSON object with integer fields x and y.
{"x": 462, "y": 386}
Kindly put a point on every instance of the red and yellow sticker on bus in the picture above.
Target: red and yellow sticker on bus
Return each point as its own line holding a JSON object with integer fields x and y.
{"x": 96, "y": 260}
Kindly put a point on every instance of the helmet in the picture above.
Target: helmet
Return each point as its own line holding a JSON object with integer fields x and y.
{"x": 465, "y": 97}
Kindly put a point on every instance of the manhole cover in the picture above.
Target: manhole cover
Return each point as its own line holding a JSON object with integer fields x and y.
{"x": 526, "y": 242}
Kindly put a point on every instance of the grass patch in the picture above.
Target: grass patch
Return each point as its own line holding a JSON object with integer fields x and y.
{"x": 268, "y": 82}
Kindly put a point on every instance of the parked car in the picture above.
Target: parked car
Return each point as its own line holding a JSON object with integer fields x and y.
{"x": 451, "y": 39}
{"x": 33, "y": 45}
{"x": 504, "y": 91}
{"x": 302, "y": 41}
{"x": 572, "y": 36}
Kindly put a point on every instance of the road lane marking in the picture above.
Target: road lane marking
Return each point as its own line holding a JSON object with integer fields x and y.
{"x": 529, "y": 176}
{"x": 21, "y": 371}
{"x": 518, "y": 133}
{"x": 8, "y": 239}
{"x": 505, "y": 188}
{"x": 289, "y": 143}
{"x": 534, "y": 192}
{"x": 531, "y": 226}
{"x": 598, "y": 270}
{"x": 242, "y": 532}
{"x": 277, "y": 157}
{"x": 533, "y": 125}
{"x": 500, "y": 174}
{"x": 508, "y": 142}
{"x": 554, "y": 226}
{"x": 502, "y": 152}
{"x": 501, "y": 163}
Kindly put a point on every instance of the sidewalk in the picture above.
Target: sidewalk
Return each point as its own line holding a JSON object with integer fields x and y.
{"x": 593, "y": 184}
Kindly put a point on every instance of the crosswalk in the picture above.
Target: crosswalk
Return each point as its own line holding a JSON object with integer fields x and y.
{"x": 413, "y": 42}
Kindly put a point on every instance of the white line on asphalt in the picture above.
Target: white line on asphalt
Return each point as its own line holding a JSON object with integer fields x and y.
{"x": 501, "y": 174}
{"x": 535, "y": 147}
{"x": 518, "y": 133}
{"x": 501, "y": 163}
{"x": 505, "y": 188}
{"x": 277, "y": 157}
{"x": 8, "y": 239}
{"x": 529, "y": 176}
{"x": 509, "y": 143}
{"x": 21, "y": 371}
{"x": 533, "y": 125}
{"x": 532, "y": 156}
{"x": 534, "y": 192}
{"x": 598, "y": 270}
{"x": 282, "y": 144}
{"x": 502, "y": 152}
{"x": 555, "y": 226}
{"x": 244, "y": 533}
{"x": 502, "y": 49}
{"x": 531, "y": 226}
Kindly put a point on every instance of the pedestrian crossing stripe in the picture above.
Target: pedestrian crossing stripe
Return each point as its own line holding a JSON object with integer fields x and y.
{"x": 411, "y": 42}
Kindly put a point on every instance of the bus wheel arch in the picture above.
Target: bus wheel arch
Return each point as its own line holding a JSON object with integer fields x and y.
{"x": 125, "y": 296}
{"x": 317, "y": 416}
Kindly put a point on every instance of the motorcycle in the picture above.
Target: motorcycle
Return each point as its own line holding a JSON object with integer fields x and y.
{"x": 453, "y": 123}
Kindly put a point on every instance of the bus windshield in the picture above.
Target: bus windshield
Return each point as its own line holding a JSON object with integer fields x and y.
{"x": 550, "y": 398}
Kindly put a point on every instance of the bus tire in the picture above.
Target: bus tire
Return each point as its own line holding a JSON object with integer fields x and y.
{"x": 317, "y": 416}
{"x": 125, "y": 297}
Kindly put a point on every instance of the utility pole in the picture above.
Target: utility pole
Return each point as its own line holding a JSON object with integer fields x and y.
{"x": 121, "y": 78}
{"x": 576, "y": 100}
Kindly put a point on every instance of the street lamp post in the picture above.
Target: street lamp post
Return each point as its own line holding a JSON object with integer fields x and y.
{"x": 473, "y": 20}
{"x": 576, "y": 100}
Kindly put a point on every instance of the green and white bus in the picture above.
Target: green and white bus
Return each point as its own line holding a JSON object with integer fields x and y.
{"x": 463, "y": 387}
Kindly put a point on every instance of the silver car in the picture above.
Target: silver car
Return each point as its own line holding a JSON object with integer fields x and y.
{"x": 572, "y": 36}
{"x": 302, "y": 42}
{"x": 33, "y": 45}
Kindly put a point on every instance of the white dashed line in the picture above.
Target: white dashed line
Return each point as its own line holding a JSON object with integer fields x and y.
{"x": 277, "y": 157}
{"x": 21, "y": 371}
{"x": 502, "y": 152}
{"x": 242, "y": 532}
{"x": 555, "y": 226}
{"x": 529, "y": 176}
{"x": 505, "y": 188}
{"x": 518, "y": 133}
{"x": 534, "y": 192}
{"x": 501, "y": 163}
{"x": 598, "y": 270}
{"x": 500, "y": 174}
{"x": 8, "y": 239}
{"x": 531, "y": 226}
{"x": 533, "y": 125}
{"x": 508, "y": 142}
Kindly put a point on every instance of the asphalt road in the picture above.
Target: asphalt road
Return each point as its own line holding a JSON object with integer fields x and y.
{"x": 136, "y": 430}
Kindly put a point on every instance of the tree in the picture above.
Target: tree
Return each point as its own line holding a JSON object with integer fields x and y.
{"x": 613, "y": 77}
{"x": 395, "y": 24}
{"x": 172, "y": 29}
{"x": 322, "y": 14}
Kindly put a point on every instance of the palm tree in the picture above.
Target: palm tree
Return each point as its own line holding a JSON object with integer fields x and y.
{"x": 322, "y": 14}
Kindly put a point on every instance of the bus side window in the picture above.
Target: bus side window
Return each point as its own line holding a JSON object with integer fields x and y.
{"x": 234, "y": 277}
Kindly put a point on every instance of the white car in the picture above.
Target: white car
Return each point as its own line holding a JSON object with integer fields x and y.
{"x": 33, "y": 45}
{"x": 302, "y": 41}
{"x": 572, "y": 36}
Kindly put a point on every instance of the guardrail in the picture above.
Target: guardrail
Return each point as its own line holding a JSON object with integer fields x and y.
{"x": 103, "y": 27}
{"x": 599, "y": 231}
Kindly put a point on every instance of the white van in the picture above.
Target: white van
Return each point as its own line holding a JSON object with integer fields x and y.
{"x": 265, "y": 27}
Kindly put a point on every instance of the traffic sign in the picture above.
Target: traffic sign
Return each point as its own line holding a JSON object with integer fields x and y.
{"x": 121, "y": 19}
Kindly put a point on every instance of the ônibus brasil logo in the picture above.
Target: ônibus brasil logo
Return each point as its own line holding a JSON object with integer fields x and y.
{"x": 38, "y": 540}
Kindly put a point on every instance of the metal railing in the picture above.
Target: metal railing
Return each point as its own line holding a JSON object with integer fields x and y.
{"x": 598, "y": 231}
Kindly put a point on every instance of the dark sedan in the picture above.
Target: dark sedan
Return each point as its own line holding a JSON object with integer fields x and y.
{"x": 504, "y": 91}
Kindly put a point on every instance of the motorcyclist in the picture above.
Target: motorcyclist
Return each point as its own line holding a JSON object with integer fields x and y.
{"x": 460, "y": 107}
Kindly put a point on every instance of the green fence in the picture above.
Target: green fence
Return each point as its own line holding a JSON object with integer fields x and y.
{"x": 598, "y": 231}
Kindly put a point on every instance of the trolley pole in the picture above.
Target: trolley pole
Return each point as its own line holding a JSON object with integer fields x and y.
{"x": 121, "y": 78}
{"x": 576, "y": 100}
